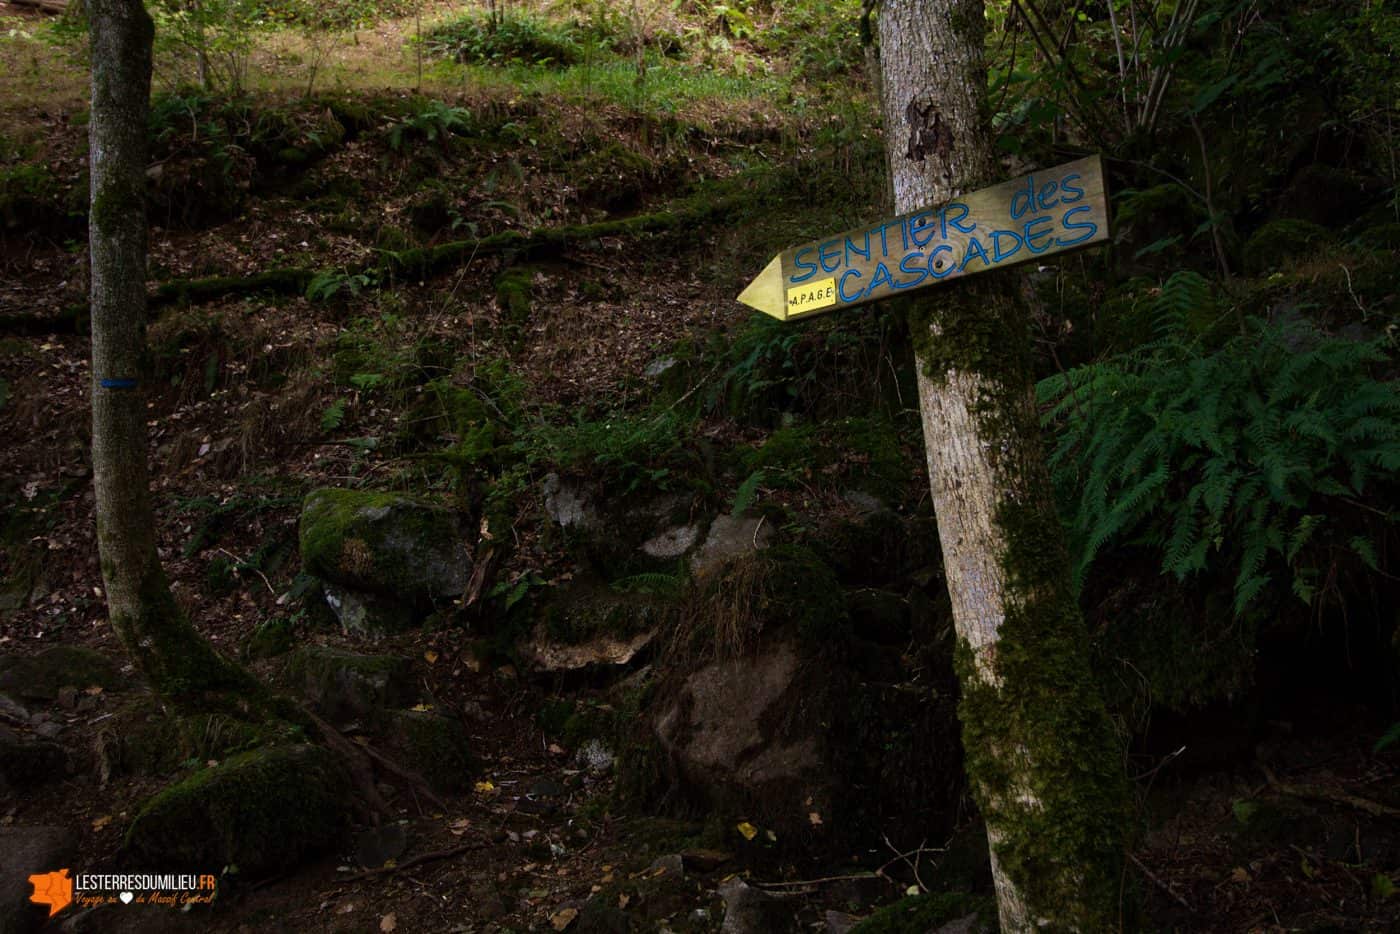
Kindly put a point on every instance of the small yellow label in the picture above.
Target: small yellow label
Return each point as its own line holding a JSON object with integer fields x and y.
{"x": 811, "y": 296}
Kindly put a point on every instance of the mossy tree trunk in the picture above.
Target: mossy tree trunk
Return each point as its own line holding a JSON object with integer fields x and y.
{"x": 1042, "y": 757}
{"x": 179, "y": 663}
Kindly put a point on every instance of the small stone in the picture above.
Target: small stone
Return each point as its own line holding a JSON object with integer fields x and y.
{"x": 671, "y": 864}
{"x": 750, "y": 911}
{"x": 49, "y": 730}
{"x": 568, "y": 505}
{"x": 596, "y": 757}
{"x": 367, "y": 615}
{"x": 702, "y": 860}
{"x": 12, "y": 710}
{"x": 838, "y": 922}
{"x": 658, "y": 366}
{"x": 67, "y": 697}
{"x": 346, "y": 686}
{"x": 863, "y": 502}
{"x": 673, "y": 542}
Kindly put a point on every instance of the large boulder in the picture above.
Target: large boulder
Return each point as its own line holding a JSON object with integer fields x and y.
{"x": 774, "y": 711}
{"x": 744, "y": 733}
{"x": 381, "y": 551}
{"x": 263, "y": 811}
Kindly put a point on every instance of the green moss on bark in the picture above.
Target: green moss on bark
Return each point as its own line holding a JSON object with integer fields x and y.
{"x": 180, "y": 664}
{"x": 115, "y": 203}
{"x": 1041, "y": 752}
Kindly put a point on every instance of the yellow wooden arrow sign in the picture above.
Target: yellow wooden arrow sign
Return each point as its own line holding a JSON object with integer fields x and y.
{"x": 1024, "y": 219}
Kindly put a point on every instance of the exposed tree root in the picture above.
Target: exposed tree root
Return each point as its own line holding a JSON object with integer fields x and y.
{"x": 416, "y": 861}
{"x": 360, "y": 759}
{"x": 357, "y": 763}
{"x": 193, "y": 291}
{"x": 1323, "y": 793}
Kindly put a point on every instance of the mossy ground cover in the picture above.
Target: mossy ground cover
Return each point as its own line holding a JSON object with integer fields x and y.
{"x": 256, "y": 812}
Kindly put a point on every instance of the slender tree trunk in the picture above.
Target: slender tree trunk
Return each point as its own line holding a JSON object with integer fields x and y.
{"x": 1042, "y": 757}
{"x": 180, "y": 664}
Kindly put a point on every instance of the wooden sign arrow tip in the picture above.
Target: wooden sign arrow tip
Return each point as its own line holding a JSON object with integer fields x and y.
{"x": 765, "y": 292}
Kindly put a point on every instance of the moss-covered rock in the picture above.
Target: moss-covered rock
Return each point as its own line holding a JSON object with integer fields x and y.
{"x": 590, "y": 623}
{"x": 347, "y": 686}
{"x": 385, "y": 544}
{"x": 262, "y": 811}
{"x": 270, "y": 638}
{"x": 38, "y": 677}
{"x": 790, "y": 448}
{"x": 434, "y": 746}
{"x": 918, "y": 914}
{"x": 1280, "y": 243}
{"x": 145, "y": 738}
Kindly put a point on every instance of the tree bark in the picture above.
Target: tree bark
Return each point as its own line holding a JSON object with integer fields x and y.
{"x": 1042, "y": 758}
{"x": 179, "y": 663}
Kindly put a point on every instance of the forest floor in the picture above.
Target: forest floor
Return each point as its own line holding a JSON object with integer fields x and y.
{"x": 240, "y": 433}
